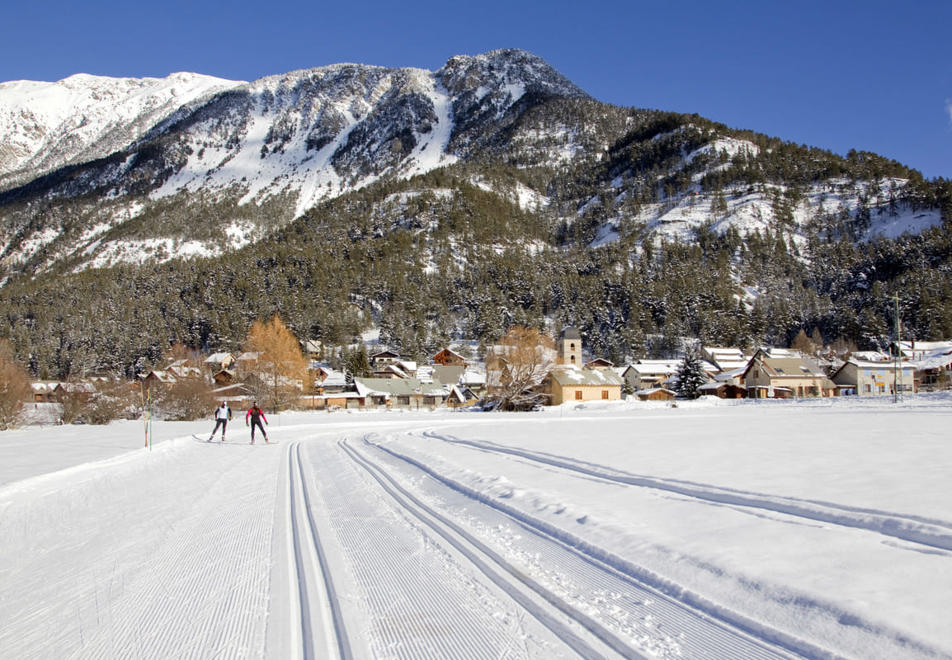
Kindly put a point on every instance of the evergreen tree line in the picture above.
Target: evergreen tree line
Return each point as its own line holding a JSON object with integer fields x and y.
{"x": 427, "y": 267}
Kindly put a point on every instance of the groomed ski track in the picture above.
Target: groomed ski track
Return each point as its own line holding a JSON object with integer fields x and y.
{"x": 348, "y": 542}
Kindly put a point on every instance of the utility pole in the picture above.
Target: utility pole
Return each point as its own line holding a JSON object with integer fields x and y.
{"x": 897, "y": 379}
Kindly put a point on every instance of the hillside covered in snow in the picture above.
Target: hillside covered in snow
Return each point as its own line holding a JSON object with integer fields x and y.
{"x": 437, "y": 204}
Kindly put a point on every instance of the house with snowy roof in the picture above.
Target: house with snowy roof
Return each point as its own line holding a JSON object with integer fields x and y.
{"x": 725, "y": 359}
{"x": 218, "y": 361}
{"x": 934, "y": 368}
{"x": 43, "y": 390}
{"x": 449, "y": 358}
{"x": 785, "y": 377}
{"x": 384, "y": 357}
{"x": 599, "y": 363}
{"x": 400, "y": 392}
{"x": 82, "y": 390}
{"x": 460, "y": 397}
{"x": 473, "y": 379}
{"x": 917, "y": 350}
{"x": 871, "y": 377}
{"x": 158, "y": 378}
{"x": 645, "y": 374}
{"x": 328, "y": 379}
{"x": 567, "y": 383}
{"x": 656, "y": 394}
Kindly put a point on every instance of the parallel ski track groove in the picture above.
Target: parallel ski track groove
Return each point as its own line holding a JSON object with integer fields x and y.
{"x": 406, "y": 612}
{"x": 905, "y": 527}
{"x": 770, "y": 642}
{"x": 481, "y": 556}
{"x": 299, "y": 490}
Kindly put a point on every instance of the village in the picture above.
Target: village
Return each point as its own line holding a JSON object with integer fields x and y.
{"x": 453, "y": 378}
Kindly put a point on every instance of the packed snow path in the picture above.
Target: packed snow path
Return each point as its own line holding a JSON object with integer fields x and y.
{"x": 468, "y": 536}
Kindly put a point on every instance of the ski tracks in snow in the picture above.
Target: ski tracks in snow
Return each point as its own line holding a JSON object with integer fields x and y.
{"x": 922, "y": 531}
{"x": 414, "y": 578}
{"x": 400, "y": 587}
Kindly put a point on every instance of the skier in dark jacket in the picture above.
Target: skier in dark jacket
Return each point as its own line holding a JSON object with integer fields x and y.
{"x": 222, "y": 415}
{"x": 256, "y": 415}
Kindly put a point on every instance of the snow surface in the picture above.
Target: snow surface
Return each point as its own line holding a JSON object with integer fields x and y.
{"x": 819, "y": 528}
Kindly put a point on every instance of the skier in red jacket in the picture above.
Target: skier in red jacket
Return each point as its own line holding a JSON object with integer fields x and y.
{"x": 256, "y": 415}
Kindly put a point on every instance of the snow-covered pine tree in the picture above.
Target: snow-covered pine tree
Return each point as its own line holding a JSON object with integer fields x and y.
{"x": 690, "y": 375}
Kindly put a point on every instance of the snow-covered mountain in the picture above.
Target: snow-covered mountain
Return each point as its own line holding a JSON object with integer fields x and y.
{"x": 45, "y": 126}
{"x": 430, "y": 204}
{"x": 103, "y": 171}
{"x": 168, "y": 149}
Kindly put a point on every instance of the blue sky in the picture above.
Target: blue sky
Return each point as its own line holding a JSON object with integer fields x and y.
{"x": 840, "y": 74}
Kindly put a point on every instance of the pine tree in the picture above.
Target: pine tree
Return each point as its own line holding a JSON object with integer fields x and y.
{"x": 690, "y": 375}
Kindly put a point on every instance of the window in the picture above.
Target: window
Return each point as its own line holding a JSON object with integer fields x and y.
{"x": 605, "y": 394}
{"x": 578, "y": 395}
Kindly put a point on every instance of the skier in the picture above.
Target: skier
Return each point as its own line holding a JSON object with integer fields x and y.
{"x": 222, "y": 415}
{"x": 257, "y": 415}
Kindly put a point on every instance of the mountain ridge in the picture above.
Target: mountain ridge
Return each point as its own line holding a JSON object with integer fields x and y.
{"x": 493, "y": 190}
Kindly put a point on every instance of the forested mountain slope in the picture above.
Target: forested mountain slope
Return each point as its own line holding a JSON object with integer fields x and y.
{"x": 454, "y": 204}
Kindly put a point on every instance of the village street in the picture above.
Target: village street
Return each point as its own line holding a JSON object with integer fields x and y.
{"x": 618, "y": 531}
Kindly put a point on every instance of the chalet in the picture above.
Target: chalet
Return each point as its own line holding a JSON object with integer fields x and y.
{"x": 382, "y": 358}
{"x": 723, "y": 390}
{"x": 158, "y": 378}
{"x": 473, "y": 379}
{"x": 43, "y": 390}
{"x": 81, "y": 390}
{"x": 567, "y": 383}
{"x": 656, "y": 394}
{"x": 449, "y": 358}
{"x": 645, "y": 374}
{"x": 725, "y": 360}
{"x": 224, "y": 378}
{"x": 394, "y": 370}
{"x": 328, "y": 380}
{"x": 599, "y": 363}
{"x": 869, "y": 378}
{"x": 460, "y": 397}
{"x": 784, "y": 377}
{"x": 934, "y": 368}
{"x": 217, "y": 362}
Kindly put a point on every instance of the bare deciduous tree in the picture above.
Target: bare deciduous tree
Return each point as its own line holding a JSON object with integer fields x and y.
{"x": 185, "y": 399}
{"x": 14, "y": 387}
{"x": 516, "y": 367}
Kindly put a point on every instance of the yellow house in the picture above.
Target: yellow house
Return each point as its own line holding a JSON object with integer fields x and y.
{"x": 566, "y": 384}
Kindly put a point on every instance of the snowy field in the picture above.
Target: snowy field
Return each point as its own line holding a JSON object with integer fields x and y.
{"x": 708, "y": 530}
